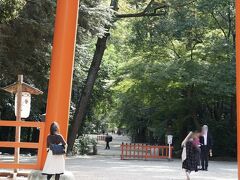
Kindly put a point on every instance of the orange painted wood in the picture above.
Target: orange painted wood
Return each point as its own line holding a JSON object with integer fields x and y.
{"x": 134, "y": 147}
{"x": 146, "y": 151}
{"x": 39, "y": 145}
{"x": 122, "y": 151}
{"x": 18, "y": 166}
{"x": 40, "y": 150}
{"x": 138, "y": 152}
{"x": 129, "y": 151}
{"x": 126, "y": 150}
{"x": 101, "y": 138}
{"x": 60, "y": 84}
{"x": 19, "y": 144}
{"x": 21, "y": 123}
{"x": 238, "y": 80}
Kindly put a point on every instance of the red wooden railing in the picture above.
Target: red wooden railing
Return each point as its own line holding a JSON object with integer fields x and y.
{"x": 101, "y": 138}
{"x": 144, "y": 151}
{"x": 12, "y": 144}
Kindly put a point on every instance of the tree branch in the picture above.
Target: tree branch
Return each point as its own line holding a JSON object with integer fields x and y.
{"x": 219, "y": 25}
{"x": 141, "y": 14}
{"x": 174, "y": 49}
{"x": 144, "y": 13}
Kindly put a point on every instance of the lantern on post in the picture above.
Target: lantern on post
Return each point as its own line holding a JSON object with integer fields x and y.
{"x": 22, "y": 93}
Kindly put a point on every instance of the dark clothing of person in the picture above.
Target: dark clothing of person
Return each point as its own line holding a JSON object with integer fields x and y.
{"x": 209, "y": 141}
{"x": 198, "y": 155}
{"x": 108, "y": 139}
{"x": 191, "y": 161}
{"x": 205, "y": 150}
{"x": 55, "y": 139}
{"x": 57, "y": 177}
{"x": 107, "y": 145}
{"x": 204, "y": 157}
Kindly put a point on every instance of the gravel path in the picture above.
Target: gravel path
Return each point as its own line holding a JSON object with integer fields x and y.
{"x": 112, "y": 168}
{"x": 108, "y": 166}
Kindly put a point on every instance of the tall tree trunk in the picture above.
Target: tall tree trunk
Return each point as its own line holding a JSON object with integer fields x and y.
{"x": 84, "y": 100}
{"x": 233, "y": 112}
{"x": 192, "y": 107}
{"x": 83, "y": 103}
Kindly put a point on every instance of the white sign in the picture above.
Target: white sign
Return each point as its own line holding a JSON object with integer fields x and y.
{"x": 26, "y": 105}
{"x": 169, "y": 139}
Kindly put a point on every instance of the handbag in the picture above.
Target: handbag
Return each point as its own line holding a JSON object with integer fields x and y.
{"x": 57, "y": 149}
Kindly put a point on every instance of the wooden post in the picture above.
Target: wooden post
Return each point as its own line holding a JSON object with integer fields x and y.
{"x": 130, "y": 150}
{"x": 18, "y": 118}
{"x": 138, "y": 157}
{"x": 122, "y": 145}
{"x": 134, "y": 156}
{"x": 146, "y": 153}
{"x": 238, "y": 80}
{"x": 126, "y": 151}
{"x": 169, "y": 151}
{"x": 60, "y": 84}
{"x": 155, "y": 154}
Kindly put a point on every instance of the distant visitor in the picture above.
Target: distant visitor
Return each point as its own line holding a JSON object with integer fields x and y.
{"x": 206, "y": 147}
{"x": 108, "y": 139}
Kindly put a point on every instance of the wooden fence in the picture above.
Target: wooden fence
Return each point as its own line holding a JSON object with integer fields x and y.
{"x": 12, "y": 144}
{"x": 144, "y": 151}
{"x": 101, "y": 138}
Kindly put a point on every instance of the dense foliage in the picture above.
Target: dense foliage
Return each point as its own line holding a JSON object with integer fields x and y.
{"x": 162, "y": 74}
{"x": 176, "y": 73}
{"x": 26, "y": 33}
{"x": 85, "y": 145}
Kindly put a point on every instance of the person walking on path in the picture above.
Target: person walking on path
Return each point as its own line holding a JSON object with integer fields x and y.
{"x": 197, "y": 144}
{"x": 108, "y": 139}
{"x": 55, "y": 163}
{"x": 190, "y": 154}
{"x": 206, "y": 147}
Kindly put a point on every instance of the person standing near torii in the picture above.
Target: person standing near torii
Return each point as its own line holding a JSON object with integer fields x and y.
{"x": 206, "y": 147}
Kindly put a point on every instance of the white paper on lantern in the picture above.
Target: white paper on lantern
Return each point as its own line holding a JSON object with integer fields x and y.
{"x": 26, "y": 105}
{"x": 170, "y": 137}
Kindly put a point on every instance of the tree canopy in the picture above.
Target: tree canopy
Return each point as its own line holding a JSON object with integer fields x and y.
{"x": 168, "y": 67}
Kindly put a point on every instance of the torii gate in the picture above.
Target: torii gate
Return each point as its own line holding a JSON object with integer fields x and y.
{"x": 62, "y": 68}
{"x": 60, "y": 85}
{"x": 59, "y": 92}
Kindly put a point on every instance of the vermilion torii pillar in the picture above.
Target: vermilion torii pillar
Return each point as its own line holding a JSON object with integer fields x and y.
{"x": 238, "y": 79}
{"x": 60, "y": 84}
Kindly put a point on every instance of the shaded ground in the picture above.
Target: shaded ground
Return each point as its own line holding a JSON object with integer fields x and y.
{"x": 111, "y": 168}
{"x": 108, "y": 166}
{"x": 114, "y": 145}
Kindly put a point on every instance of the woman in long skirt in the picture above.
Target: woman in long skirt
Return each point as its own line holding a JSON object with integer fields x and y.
{"x": 190, "y": 154}
{"x": 55, "y": 164}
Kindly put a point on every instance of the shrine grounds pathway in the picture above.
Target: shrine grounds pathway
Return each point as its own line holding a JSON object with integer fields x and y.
{"x": 111, "y": 168}
{"x": 108, "y": 166}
